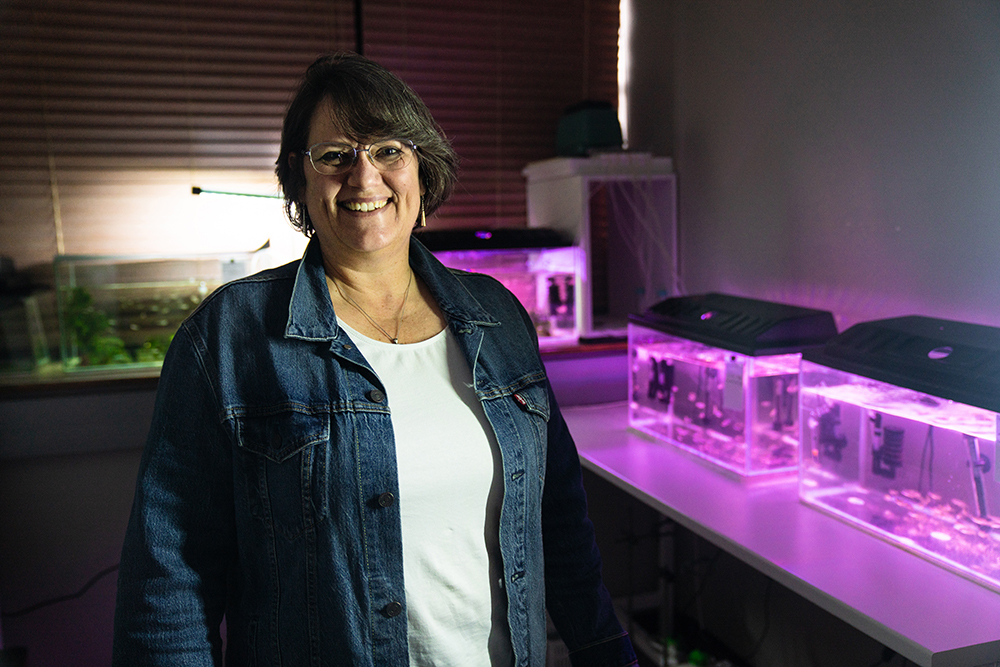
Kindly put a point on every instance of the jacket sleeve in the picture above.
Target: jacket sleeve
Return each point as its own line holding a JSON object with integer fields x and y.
{"x": 577, "y": 601}
{"x": 180, "y": 538}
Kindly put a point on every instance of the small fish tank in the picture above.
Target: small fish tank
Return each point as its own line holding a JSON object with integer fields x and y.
{"x": 717, "y": 376}
{"x": 122, "y": 311}
{"x": 540, "y": 266}
{"x": 899, "y": 433}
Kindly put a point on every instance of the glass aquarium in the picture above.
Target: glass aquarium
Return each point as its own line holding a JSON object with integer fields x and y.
{"x": 23, "y": 344}
{"x": 539, "y": 267}
{"x": 899, "y": 432}
{"x": 717, "y": 376}
{"x": 122, "y": 311}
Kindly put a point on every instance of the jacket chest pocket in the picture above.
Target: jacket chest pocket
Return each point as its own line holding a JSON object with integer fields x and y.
{"x": 283, "y": 454}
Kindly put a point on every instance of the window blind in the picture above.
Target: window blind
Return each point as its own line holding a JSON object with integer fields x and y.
{"x": 497, "y": 76}
{"x": 110, "y": 110}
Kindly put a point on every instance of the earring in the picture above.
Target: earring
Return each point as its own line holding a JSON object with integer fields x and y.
{"x": 423, "y": 218}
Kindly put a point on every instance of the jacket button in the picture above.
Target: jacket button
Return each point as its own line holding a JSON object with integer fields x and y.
{"x": 376, "y": 396}
{"x": 386, "y": 499}
{"x": 392, "y": 609}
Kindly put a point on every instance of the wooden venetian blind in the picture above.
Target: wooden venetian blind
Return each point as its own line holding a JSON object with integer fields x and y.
{"x": 111, "y": 109}
{"x": 497, "y": 76}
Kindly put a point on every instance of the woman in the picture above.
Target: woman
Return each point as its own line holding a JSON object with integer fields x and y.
{"x": 357, "y": 458}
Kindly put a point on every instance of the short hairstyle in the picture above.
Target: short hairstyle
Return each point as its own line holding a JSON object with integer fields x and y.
{"x": 369, "y": 103}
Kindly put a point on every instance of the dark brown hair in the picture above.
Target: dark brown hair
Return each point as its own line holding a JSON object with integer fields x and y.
{"x": 369, "y": 103}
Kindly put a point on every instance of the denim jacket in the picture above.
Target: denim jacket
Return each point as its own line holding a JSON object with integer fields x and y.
{"x": 267, "y": 489}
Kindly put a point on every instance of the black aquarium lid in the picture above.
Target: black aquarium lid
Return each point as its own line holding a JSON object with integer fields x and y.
{"x": 491, "y": 239}
{"x": 739, "y": 324}
{"x": 956, "y": 361}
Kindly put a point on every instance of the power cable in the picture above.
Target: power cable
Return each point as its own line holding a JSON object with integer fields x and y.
{"x": 767, "y": 622}
{"x": 63, "y": 598}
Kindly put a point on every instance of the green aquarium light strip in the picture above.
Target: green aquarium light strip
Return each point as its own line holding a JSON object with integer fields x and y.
{"x": 195, "y": 190}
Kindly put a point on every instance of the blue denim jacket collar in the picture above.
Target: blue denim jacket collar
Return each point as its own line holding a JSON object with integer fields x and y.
{"x": 311, "y": 315}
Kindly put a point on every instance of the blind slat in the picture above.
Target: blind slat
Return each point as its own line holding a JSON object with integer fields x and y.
{"x": 125, "y": 96}
{"x": 497, "y": 77}
{"x": 97, "y": 93}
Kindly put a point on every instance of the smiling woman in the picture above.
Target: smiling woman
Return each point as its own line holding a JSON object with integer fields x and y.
{"x": 358, "y": 206}
{"x": 357, "y": 458}
{"x": 358, "y": 105}
{"x": 361, "y": 211}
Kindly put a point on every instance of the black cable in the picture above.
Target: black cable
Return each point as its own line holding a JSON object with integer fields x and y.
{"x": 704, "y": 576}
{"x": 64, "y": 598}
{"x": 767, "y": 622}
{"x": 359, "y": 31}
{"x": 630, "y": 537}
{"x": 887, "y": 655}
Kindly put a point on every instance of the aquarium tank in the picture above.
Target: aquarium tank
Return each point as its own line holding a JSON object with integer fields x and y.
{"x": 540, "y": 266}
{"x": 122, "y": 311}
{"x": 899, "y": 433}
{"x": 717, "y": 376}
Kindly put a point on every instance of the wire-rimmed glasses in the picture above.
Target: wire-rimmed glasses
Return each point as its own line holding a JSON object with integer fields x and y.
{"x": 386, "y": 155}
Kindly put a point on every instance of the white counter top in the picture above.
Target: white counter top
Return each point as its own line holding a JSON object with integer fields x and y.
{"x": 923, "y": 612}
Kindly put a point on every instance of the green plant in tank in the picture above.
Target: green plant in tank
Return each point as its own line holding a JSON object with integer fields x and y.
{"x": 153, "y": 349}
{"x": 84, "y": 319}
{"x": 106, "y": 350}
{"x": 91, "y": 329}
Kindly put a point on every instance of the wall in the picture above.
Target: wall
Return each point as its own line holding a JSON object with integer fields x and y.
{"x": 833, "y": 153}
{"x": 68, "y": 464}
{"x": 62, "y": 523}
{"x": 841, "y": 154}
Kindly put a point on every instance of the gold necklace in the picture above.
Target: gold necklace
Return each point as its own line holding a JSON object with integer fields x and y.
{"x": 399, "y": 319}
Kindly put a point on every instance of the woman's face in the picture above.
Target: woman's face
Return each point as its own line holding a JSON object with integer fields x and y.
{"x": 362, "y": 210}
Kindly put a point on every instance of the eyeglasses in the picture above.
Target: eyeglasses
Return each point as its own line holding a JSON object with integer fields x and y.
{"x": 386, "y": 155}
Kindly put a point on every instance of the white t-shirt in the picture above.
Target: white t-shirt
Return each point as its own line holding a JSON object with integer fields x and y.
{"x": 450, "y": 493}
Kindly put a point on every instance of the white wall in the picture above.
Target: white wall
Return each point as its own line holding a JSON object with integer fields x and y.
{"x": 833, "y": 153}
{"x": 841, "y": 154}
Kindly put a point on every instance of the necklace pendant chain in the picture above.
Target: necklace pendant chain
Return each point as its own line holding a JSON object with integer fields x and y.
{"x": 399, "y": 318}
